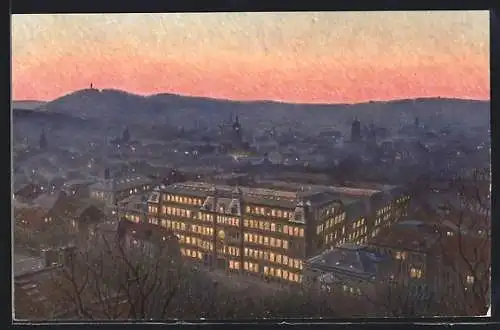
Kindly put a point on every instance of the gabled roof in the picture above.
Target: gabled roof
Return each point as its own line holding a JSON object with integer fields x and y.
{"x": 48, "y": 201}
{"x": 407, "y": 235}
{"x": 348, "y": 259}
{"x": 28, "y": 191}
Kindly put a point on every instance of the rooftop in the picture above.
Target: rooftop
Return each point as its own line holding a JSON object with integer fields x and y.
{"x": 274, "y": 192}
{"x": 409, "y": 235}
{"x": 348, "y": 259}
{"x": 122, "y": 184}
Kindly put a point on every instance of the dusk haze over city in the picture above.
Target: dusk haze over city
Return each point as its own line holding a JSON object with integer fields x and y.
{"x": 248, "y": 166}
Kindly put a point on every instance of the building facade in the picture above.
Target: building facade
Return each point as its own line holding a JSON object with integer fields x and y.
{"x": 269, "y": 230}
{"x": 109, "y": 190}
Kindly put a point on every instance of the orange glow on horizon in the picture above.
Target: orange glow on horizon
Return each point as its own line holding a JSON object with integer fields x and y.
{"x": 354, "y": 71}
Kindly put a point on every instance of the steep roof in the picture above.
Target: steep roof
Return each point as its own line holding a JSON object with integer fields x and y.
{"x": 349, "y": 260}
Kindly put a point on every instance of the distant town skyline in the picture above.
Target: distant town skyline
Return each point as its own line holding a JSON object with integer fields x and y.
{"x": 326, "y": 57}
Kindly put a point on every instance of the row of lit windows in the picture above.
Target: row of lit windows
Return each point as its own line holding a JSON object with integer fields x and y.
{"x": 321, "y": 228}
{"x": 264, "y": 240}
{"x": 274, "y": 227}
{"x": 281, "y": 273}
{"x": 192, "y": 253}
{"x": 336, "y": 220}
{"x": 327, "y": 211}
{"x": 415, "y": 273}
{"x": 179, "y": 212}
{"x": 331, "y": 237}
{"x": 375, "y": 232}
{"x": 98, "y": 195}
{"x": 135, "y": 190}
{"x": 268, "y": 212}
{"x": 132, "y": 217}
{"x": 351, "y": 290}
{"x": 251, "y": 267}
{"x": 231, "y": 250}
{"x": 274, "y": 257}
{"x": 400, "y": 255}
{"x": 358, "y": 223}
{"x": 381, "y": 219}
{"x": 183, "y": 200}
{"x": 153, "y": 220}
{"x": 152, "y": 209}
{"x": 358, "y": 233}
{"x": 195, "y": 241}
{"x": 205, "y": 217}
{"x": 361, "y": 241}
{"x": 234, "y": 264}
{"x": 384, "y": 210}
{"x": 170, "y": 224}
{"x": 202, "y": 230}
{"x": 403, "y": 199}
{"x": 229, "y": 221}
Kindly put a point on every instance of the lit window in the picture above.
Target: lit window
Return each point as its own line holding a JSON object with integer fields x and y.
{"x": 415, "y": 273}
{"x": 285, "y": 214}
{"x": 285, "y": 244}
{"x": 272, "y": 257}
{"x": 273, "y": 226}
{"x": 285, "y": 260}
{"x": 470, "y": 279}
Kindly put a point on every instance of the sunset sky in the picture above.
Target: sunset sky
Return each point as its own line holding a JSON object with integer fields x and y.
{"x": 307, "y": 57}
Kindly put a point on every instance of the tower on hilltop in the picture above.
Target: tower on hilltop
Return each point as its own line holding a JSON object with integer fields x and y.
{"x": 356, "y": 130}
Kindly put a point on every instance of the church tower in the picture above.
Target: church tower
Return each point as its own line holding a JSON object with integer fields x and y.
{"x": 356, "y": 130}
{"x": 237, "y": 131}
{"x": 43, "y": 140}
{"x": 126, "y": 135}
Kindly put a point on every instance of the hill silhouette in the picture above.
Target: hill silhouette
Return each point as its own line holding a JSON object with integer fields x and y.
{"x": 120, "y": 106}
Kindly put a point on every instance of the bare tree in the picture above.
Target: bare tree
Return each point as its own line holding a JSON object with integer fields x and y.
{"x": 466, "y": 251}
{"x": 110, "y": 279}
{"x": 463, "y": 249}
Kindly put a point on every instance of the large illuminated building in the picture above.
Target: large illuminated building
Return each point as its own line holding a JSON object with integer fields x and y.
{"x": 271, "y": 229}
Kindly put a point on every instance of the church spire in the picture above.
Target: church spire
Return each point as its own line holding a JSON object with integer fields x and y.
{"x": 43, "y": 140}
